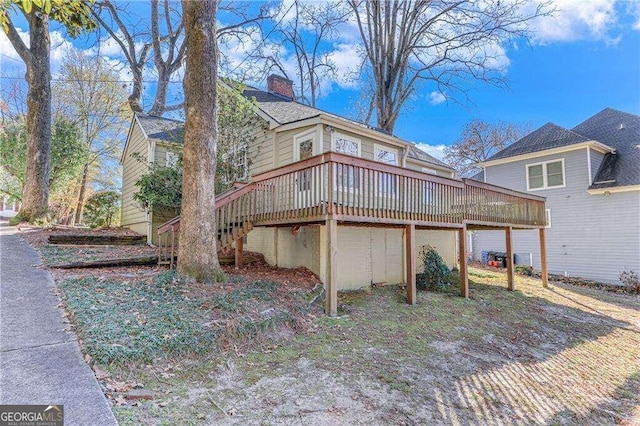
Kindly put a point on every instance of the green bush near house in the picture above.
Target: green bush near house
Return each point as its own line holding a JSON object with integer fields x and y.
{"x": 436, "y": 272}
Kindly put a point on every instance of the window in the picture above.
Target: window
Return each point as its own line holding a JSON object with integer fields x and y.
{"x": 429, "y": 171}
{"x": 171, "y": 159}
{"x": 346, "y": 144}
{"x": 304, "y": 147}
{"x": 548, "y": 215}
{"x": 548, "y": 174}
{"x": 235, "y": 167}
{"x": 386, "y": 155}
{"x": 346, "y": 176}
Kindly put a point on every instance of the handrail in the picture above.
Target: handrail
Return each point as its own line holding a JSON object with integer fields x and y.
{"x": 329, "y": 157}
{"x": 503, "y": 190}
{"x": 384, "y": 192}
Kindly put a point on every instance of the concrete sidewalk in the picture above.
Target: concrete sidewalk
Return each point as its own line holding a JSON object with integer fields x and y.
{"x": 40, "y": 359}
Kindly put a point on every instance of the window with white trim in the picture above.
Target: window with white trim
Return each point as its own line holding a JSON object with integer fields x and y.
{"x": 346, "y": 176}
{"x": 386, "y": 155}
{"x": 545, "y": 175}
{"x": 429, "y": 171}
{"x": 304, "y": 146}
{"x": 344, "y": 144}
{"x": 548, "y": 217}
{"x": 171, "y": 159}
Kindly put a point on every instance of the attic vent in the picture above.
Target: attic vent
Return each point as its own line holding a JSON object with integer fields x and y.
{"x": 622, "y": 127}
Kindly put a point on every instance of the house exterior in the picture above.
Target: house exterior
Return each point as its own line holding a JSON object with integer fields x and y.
{"x": 310, "y": 173}
{"x": 150, "y": 141}
{"x": 590, "y": 177}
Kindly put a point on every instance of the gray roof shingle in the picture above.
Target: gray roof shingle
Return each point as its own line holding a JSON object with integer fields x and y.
{"x": 546, "y": 137}
{"x": 281, "y": 109}
{"x": 161, "y": 128}
{"x": 621, "y": 131}
{"x": 616, "y": 129}
{"x": 418, "y": 154}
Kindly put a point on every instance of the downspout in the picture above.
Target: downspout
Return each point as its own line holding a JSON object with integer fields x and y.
{"x": 405, "y": 154}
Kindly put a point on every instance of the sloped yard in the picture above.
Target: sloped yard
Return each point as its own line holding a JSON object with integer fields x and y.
{"x": 565, "y": 355}
{"x": 258, "y": 349}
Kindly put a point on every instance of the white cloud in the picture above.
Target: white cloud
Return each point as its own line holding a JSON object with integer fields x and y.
{"x": 436, "y": 151}
{"x": 436, "y": 98}
{"x": 346, "y": 59}
{"x": 577, "y": 20}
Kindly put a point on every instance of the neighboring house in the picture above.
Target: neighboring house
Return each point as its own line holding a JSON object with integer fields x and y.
{"x": 150, "y": 141}
{"x": 310, "y": 172}
{"x": 590, "y": 176}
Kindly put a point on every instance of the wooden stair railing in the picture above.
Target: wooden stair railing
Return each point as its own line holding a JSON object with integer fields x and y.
{"x": 233, "y": 217}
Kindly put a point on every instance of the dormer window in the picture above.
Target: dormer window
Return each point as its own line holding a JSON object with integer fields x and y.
{"x": 545, "y": 175}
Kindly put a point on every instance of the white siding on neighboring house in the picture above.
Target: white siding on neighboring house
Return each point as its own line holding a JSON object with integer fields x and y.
{"x": 591, "y": 236}
{"x": 596, "y": 161}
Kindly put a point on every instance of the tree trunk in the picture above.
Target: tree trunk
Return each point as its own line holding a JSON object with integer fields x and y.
{"x": 35, "y": 192}
{"x": 83, "y": 187}
{"x": 197, "y": 253}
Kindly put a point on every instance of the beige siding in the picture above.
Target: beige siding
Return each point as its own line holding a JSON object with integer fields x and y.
{"x": 261, "y": 150}
{"x": 418, "y": 165}
{"x": 132, "y": 215}
{"x": 366, "y": 144}
{"x": 284, "y": 147}
{"x": 365, "y": 255}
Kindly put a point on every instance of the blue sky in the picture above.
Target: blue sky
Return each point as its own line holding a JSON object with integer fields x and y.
{"x": 585, "y": 58}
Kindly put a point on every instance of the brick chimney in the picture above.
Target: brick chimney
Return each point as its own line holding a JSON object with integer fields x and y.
{"x": 280, "y": 86}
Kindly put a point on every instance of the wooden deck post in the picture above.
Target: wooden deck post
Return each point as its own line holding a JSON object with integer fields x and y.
{"x": 410, "y": 253}
{"x": 464, "y": 273}
{"x": 331, "y": 280}
{"x": 238, "y": 254}
{"x": 543, "y": 259}
{"x": 510, "y": 281}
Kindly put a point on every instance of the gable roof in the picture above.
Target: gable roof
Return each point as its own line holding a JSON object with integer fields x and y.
{"x": 284, "y": 110}
{"x": 161, "y": 128}
{"x": 280, "y": 109}
{"x": 418, "y": 154}
{"x": 614, "y": 131}
{"x": 546, "y": 137}
{"x": 621, "y": 131}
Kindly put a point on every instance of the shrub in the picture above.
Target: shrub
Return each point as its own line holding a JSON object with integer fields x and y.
{"x": 630, "y": 280}
{"x": 100, "y": 208}
{"x": 524, "y": 270}
{"x": 436, "y": 272}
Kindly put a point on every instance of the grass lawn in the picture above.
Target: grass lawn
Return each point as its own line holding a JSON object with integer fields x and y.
{"x": 564, "y": 355}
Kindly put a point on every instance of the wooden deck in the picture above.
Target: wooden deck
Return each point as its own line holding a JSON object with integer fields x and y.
{"x": 334, "y": 189}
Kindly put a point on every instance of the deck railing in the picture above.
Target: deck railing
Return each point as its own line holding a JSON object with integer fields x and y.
{"x": 353, "y": 189}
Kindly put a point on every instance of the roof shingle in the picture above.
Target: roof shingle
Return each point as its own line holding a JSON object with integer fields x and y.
{"x": 546, "y": 137}
{"x": 161, "y": 128}
{"x": 619, "y": 130}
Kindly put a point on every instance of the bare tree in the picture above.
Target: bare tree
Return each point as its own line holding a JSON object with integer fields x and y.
{"x": 312, "y": 27}
{"x": 447, "y": 42}
{"x": 197, "y": 252}
{"x": 480, "y": 140}
{"x": 159, "y": 40}
{"x": 89, "y": 92}
{"x": 75, "y": 16}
